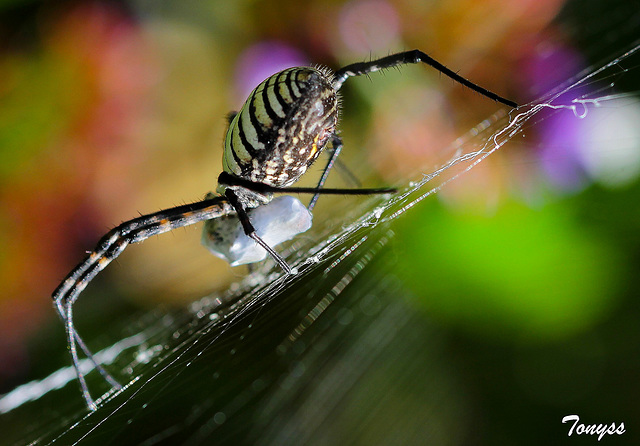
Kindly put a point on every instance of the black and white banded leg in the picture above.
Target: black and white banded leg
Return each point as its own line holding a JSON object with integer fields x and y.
{"x": 109, "y": 247}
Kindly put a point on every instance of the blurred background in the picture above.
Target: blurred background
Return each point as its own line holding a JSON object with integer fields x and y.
{"x": 109, "y": 109}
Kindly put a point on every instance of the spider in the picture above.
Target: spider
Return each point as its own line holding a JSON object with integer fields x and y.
{"x": 280, "y": 131}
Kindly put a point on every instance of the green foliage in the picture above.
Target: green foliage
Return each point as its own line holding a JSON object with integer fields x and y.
{"x": 528, "y": 273}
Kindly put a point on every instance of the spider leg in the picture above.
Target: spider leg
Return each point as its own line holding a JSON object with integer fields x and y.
{"x": 347, "y": 174}
{"x": 95, "y": 363}
{"x": 71, "y": 340}
{"x": 63, "y": 315}
{"x": 336, "y": 144}
{"x": 109, "y": 247}
{"x": 411, "y": 57}
{"x": 230, "y": 180}
{"x": 250, "y": 231}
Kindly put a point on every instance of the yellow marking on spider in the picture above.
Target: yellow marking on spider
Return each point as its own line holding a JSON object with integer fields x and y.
{"x": 314, "y": 146}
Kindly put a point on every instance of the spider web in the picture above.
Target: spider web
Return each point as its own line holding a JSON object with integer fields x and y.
{"x": 302, "y": 359}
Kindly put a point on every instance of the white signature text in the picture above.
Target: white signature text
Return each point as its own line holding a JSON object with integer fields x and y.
{"x": 592, "y": 429}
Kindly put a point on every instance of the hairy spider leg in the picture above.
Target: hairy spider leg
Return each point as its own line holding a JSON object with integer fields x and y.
{"x": 393, "y": 60}
{"x": 141, "y": 228}
{"x": 411, "y": 57}
{"x": 109, "y": 247}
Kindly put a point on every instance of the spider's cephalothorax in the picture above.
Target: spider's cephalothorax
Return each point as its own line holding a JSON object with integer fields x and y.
{"x": 282, "y": 127}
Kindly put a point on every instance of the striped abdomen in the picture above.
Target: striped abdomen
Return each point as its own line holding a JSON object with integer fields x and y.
{"x": 282, "y": 127}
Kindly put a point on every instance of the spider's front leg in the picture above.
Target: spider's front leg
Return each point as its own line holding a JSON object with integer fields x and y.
{"x": 411, "y": 57}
